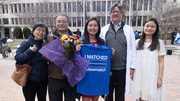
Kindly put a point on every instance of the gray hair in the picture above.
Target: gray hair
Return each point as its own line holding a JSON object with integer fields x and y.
{"x": 63, "y": 15}
{"x": 116, "y": 5}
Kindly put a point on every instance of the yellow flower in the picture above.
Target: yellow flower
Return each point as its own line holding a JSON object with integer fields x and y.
{"x": 78, "y": 41}
{"x": 64, "y": 37}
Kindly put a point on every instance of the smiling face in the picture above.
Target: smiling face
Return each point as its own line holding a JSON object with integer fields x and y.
{"x": 62, "y": 24}
{"x": 150, "y": 28}
{"x": 116, "y": 15}
{"x": 92, "y": 27}
{"x": 39, "y": 33}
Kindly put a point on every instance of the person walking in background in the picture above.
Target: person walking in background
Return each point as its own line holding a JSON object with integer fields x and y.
{"x": 58, "y": 83}
{"x": 78, "y": 32}
{"x": 4, "y": 45}
{"x": 136, "y": 34}
{"x": 28, "y": 53}
{"x": 120, "y": 37}
{"x": 148, "y": 83}
{"x": 173, "y": 35}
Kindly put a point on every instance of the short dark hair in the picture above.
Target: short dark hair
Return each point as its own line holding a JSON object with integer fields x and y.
{"x": 116, "y": 5}
{"x": 40, "y": 24}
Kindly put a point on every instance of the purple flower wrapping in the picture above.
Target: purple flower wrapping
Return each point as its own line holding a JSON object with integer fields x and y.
{"x": 74, "y": 71}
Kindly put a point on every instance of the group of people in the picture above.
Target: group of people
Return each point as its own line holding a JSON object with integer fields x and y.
{"x": 141, "y": 60}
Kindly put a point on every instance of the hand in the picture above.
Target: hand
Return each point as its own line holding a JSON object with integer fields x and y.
{"x": 112, "y": 51}
{"x": 34, "y": 48}
{"x": 159, "y": 83}
{"x": 131, "y": 73}
{"x": 78, "y": 47}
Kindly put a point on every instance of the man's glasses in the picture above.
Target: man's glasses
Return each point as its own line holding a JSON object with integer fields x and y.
{"x": 116, "y": 12}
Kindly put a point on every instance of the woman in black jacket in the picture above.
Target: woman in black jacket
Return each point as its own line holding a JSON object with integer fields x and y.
{"x": 28, "y": 52}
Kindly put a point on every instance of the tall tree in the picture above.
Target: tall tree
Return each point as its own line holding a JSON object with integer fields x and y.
{"x": 167, "y": 16}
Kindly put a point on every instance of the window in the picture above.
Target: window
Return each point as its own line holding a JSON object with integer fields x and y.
{"x": 88, "y": 6}
{"x": 32, "y": 8}
{"x": 24, "y": 8}
{"x": 139, "y": 21}
{"x": 65, "y": 8}
{"x": 150, "y": 5}
{"x": 108, "y": 19}
{"x": 109, "y": 5}
{"x": 79, "y": 7}
{"x": 46, "y": 7}
{"x": 134, "y": 21}
{"x": 20, "y": 21}
{"x": 42, "y": 6}
{"x": 55, "y": 7}
{"x": 3, "y": 8}
{"x": 11, "y": 8}
{"x": 94, "y": 6}
{"x": 140, "y": 5}
{"x": 6, "y": 8}
{"x": 24, "y": 20}
{"x": 70, "y": 22}
{"x": 127, "y": 20}
{"x": 16, "y": 21}
{"x": 74, "y": 22}
{"x": 144, "y": 19}
{"x": 103, "y": 21}
{"x": 50, "y": 7}
{"x": 5, "y": 21}
{"x": 134, "y": 5}
{"x": 74, "y": 6}
{"x": 103, "y": 6}
{"x": 79, "y": 21}
{"x": 28, "y": 8}
{"x": 124, "y": 4}
{"x": 59, "y": 7}
{"x": 19, "y": 6}
{"x": 12, "y": 19}
{"x": 145, "y": 5}
{"x": 69, "y": 7}
{"x": 98, "y": 6}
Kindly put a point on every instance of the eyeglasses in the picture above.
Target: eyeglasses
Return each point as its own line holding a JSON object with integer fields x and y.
{"x": 61, "y": 22}
{"x": 42, "y": 31}
{"x": 115, "y": 12}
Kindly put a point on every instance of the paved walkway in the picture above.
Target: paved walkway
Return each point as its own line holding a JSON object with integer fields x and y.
{"x": 9, "y": 91}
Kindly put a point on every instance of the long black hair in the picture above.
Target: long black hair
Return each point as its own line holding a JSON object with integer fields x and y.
{"x": 155, "y": 37}
{"x": 86, "y": 34}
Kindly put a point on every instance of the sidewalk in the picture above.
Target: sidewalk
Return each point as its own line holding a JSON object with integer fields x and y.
{"x": 9, "y": 91}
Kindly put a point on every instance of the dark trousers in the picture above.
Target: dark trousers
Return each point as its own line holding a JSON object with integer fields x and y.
{"x": 57, "y": 87}
{"x": 117, "y": 82}
{"x": 33, "y": 88}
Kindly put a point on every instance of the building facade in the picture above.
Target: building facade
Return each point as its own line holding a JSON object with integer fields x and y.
{"x": 25, "y": 13}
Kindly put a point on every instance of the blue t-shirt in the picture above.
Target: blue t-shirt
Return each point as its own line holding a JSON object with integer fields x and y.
{"x": 96, "y": 80}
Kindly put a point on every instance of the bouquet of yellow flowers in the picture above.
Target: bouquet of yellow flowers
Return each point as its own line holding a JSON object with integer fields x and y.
{"x": 69, "y": 43}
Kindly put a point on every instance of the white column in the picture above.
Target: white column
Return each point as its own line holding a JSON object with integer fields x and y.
{"x": 84, "y": 13}
{"x": 106, "y": 12}
{"x": 129, "y": 12}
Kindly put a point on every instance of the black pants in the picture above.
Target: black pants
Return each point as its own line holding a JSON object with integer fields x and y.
{"x": 33, "y": 88}
{"x": 57, "y": 87}
{"x": 117, "y": 82}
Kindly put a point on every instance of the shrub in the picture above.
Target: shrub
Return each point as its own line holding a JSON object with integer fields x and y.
{"x": 26, "y": 32}
{"x": 18, "y": 33}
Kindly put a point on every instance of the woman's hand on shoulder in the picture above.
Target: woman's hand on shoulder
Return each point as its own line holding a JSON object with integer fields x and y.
{"x": 78, "y": 47}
